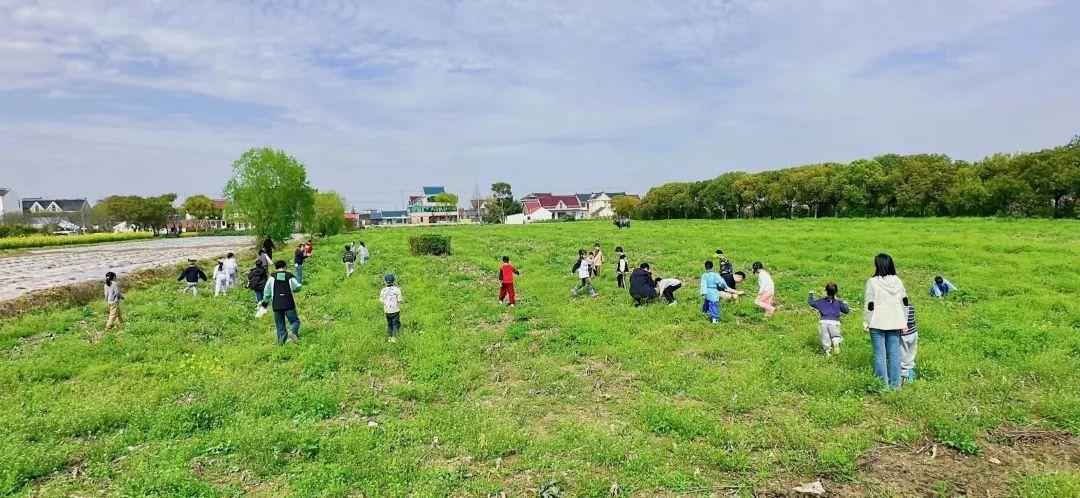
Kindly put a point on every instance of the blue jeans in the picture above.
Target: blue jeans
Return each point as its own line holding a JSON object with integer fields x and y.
{"x": 279, "y": 320}
{"x": 886, "y": 356}
{"x": 258, "y": 296}
{"x": 712, "y": 308}
{"x": 300, "y": 274}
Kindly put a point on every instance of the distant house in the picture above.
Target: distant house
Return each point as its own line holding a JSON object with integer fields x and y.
{"x": 598, "y": 204}
{"x": 394, "y": 218}
{"x": 544, "y": 206}
{"x": 40, "y": 211}
{"x": 423, "y": 210}
{"x": 8, "y": 202}
{"x": 476, "y": 211}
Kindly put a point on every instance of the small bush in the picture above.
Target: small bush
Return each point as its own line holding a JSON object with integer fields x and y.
{"x": 432, "y": 244}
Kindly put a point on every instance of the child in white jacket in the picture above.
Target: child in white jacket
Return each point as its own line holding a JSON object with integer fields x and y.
{"x": 231, "y": 269}
{"x": 221, "y": 278}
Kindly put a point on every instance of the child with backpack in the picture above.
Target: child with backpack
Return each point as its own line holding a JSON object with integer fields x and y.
{"x": 506, "y": 281}
{"x": 349, "y": 258}
{"x": 391, "y": 299}
{"x": 257, "y": 278}
{"x": 598, "y": 260}
{"x": 622, "y": 267}
{"x": 278, "y": 296}
{"x": 830, "y": 308}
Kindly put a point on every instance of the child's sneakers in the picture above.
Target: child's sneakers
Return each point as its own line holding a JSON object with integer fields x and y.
{"x": 671, "y": 303}
{"x": 573, "y": 292}
{"x": 836, "y": 346}
{"x": 391, "y": 339}
{"x": 511, "y": 304}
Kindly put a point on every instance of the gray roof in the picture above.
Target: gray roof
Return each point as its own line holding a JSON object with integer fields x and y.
{"x": 393, "y": 214}
{"x": 66, "y": 205}
{"x": 4, "y": 191}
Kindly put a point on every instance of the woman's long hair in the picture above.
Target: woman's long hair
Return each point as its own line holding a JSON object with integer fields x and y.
{"x": 110, "y": 277}
{"x": 884, "y": 266}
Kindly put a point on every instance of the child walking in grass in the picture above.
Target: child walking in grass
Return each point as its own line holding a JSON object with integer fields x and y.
{"x": 349, "y": 258}
{"x": 278, "y": 296}
{"x": 598, "y": 260}
{"x": 192, "y": 274}
{"x": 766, "y": 289}
{"x": 506, "y": 280}
{"x": 909, "y": 345}
{"x": 584, "y": 271}
{"x": 364, "y": 254}
{"x": 711, "y": 286}
{"x": 221, "y": 278}
{"x": 830, "y": 308}
{"x": 391, "y": 299}
{"x": 113, "y": 298}
{"x": 621, "y": 269}
{"x": 232, "y": 269}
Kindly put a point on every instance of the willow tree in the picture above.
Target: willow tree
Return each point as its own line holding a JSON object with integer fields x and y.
{"x": 269, "y": 190}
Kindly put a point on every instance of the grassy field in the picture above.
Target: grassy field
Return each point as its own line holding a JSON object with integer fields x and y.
{"x": 36, "y": 241}
{"x": 572, "y": 396}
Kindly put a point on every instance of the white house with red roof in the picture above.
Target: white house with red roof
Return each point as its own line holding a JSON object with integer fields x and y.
{"x": 546, "y": 207}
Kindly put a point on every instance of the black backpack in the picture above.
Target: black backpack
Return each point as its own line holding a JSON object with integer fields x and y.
{"x": 349, "y": 257}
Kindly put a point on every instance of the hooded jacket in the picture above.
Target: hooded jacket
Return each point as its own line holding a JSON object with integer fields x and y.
{"x": 641, "y": 283}
{"x": 884, "y": 308}
{"x": 257, "y": 278}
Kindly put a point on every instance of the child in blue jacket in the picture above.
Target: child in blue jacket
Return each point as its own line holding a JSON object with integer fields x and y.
{"x": 941, "y": 287}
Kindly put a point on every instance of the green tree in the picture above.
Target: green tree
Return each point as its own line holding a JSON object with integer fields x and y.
{"x": 145, "y": 212}
{"x": 201, "y": 208}
{"x": 445, "y": 198}
{"x": 967, "y": 196}
{"x": 494, "y": 213}
{"x": 269, "y": 189}
{"x": 624, "y": 205}
{"x": 504, "y": 196}
{"x": 329, "y": 216}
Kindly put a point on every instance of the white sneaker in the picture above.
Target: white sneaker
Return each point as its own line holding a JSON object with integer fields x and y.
{"x": 672, "y": 303}
{"x": 391, "y": 339}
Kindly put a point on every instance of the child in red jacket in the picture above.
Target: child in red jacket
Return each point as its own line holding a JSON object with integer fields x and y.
{"x": 506, "y": 278}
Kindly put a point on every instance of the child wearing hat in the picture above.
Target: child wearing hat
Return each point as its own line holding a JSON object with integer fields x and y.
{"x": 391, "y": 300}
{"x": 192, "y": 274}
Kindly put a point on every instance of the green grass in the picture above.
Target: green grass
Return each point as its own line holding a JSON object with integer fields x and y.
{"x": 34, "y": 241}
{"x": 194, "y": 398}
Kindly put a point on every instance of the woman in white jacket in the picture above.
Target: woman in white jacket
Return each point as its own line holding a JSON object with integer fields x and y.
{"x": 885, "y": 317}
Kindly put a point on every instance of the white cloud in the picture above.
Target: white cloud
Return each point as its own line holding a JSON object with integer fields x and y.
{"x": 548, "y": 95}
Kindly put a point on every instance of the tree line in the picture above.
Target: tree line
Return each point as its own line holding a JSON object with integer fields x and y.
{"x": 1035, "y": 184}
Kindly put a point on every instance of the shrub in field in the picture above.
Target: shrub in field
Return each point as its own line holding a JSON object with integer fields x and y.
{"x": 433, "y": 244}
{"x": 17, "y": 231}
{"x": 69, "y": 240}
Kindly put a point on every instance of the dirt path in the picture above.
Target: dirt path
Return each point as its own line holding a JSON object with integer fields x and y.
{"x": 47, "y": 268}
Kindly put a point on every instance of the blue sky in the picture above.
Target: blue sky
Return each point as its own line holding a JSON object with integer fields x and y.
{"x": 379, "y": 98}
